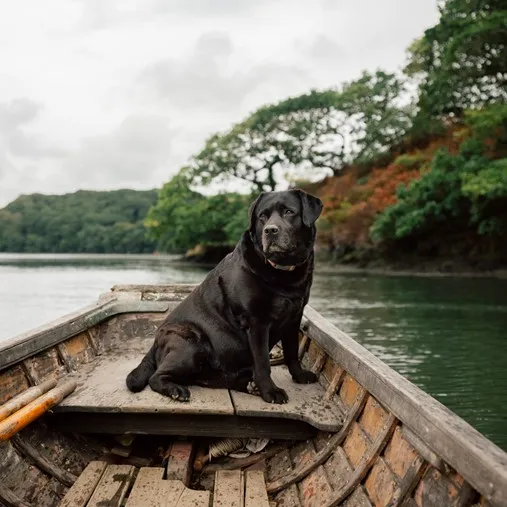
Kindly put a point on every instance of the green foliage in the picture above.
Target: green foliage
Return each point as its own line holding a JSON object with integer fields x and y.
{"x": 313, "y": 134}
{"x": 412, "y": 160}
{"x": 461, "y": 61}
{"x": 182, "y": 218}
{"x": 464, "y": 186}
{"x": 84, "y": 221}
{"x": 433, "y": 198}
{"x": 488, "y": 183}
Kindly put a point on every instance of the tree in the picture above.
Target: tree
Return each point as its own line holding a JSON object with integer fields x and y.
{"x": 84, "y": 221}
{"x": 183, "y": 218}
{"x": 461, "y": 61}
{"x": 313, "y": 134}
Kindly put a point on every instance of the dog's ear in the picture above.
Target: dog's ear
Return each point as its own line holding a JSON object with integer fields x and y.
{"x": 312, "y": 207}
{"x": 251, "y": 211}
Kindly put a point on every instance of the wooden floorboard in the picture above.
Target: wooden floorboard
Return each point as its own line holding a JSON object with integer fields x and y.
{"x": 229, "y": 489}
{"x": 81, "y": 491}
{"x": 305, "y": 403}
{"x": 145, "y": 492}
{"x": 255, "y": 489}
{"x": 112, "y": 487}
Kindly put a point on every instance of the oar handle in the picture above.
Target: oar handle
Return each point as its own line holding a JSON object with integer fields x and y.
{"x": 29, "y": 413}
{"x": 26, "y": 397}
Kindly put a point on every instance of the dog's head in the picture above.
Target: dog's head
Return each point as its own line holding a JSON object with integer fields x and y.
{"x": 282, "y": 224}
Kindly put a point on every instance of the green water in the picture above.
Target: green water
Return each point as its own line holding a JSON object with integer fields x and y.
{"x": 447, "y": 335}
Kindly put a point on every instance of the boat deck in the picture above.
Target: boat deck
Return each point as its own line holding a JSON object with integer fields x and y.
{"x": 102, "y": 394}
{"x": 102, "y": 484}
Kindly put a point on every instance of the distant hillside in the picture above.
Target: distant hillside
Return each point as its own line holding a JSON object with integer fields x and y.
{"x": 82, "y": 222}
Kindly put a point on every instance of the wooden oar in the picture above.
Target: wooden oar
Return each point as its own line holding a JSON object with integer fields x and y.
{"x": 29, "y": 413}
{"x": 26, "y": 397}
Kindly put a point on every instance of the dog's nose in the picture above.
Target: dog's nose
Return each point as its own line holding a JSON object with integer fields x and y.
{"x": 271, "y": 230}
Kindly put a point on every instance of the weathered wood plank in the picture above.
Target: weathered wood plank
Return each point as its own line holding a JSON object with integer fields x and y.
{"x": 380, "y": 483}
{"x": 103, "y": 389}
{"x": 255, "y": 489}
{"x": 43, "y": 365}
{"x": 171, "y": 491}
{"x": 145, "y": 492}
{"x": 182, "y": 425}
{"x": 479, "y": 461}
{"x": 306, "y": 403}
{"x": 288, "y": 497}
{"x": 36, "y": 457}
{"x": 12, "y": 383}
{"x": 358, "y": 499}
{"x": 228, "y": 489}
{"x": 191, "y": 498}
{"x": 81, "y": 491}
{"x": 112, "y": 487}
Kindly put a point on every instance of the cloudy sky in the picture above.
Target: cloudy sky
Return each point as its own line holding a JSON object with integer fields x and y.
{"x": 104, "y": 94}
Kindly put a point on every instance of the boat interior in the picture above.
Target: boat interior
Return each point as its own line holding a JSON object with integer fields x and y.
{"x": 362, "y": 436}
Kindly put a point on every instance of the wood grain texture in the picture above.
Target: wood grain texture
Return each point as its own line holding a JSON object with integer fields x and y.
{"x": 306, "y": 403}
{"x": 255, "y": 489}
{"x": 102, "y": 389}
{"x": 83, "y": 488}
{"x": 112, "y": 487}
{"x": 229, "y": 489}
{"x": 145, "y": 492}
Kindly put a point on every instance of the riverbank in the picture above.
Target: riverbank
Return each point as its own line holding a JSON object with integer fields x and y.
{"x": 210, "y": 256}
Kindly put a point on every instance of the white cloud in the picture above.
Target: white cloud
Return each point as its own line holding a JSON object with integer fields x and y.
{"x": 110, "y": 93}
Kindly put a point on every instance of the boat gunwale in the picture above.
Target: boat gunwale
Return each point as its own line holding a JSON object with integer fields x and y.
{"x": 482, "y": 463}
{"x": 32, "y": 342}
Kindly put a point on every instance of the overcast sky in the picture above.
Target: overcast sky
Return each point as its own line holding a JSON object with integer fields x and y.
{"x": 103, "y": 94}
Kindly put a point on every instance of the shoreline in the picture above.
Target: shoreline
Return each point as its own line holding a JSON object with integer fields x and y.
{"x": 336, "y": 267}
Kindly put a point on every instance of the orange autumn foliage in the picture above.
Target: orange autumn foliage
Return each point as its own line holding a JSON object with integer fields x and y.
{"x": 352, "y": 203}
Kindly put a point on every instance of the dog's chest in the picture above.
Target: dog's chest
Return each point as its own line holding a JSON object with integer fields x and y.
{"x": 285, "y": 308}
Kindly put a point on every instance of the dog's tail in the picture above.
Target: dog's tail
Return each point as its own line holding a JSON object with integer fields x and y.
{"x": 138, "y": 378}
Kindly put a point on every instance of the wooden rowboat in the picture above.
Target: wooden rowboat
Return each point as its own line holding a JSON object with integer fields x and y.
{"x": 71, "y": 433}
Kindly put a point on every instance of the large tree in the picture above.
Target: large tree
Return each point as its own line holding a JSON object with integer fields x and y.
{"x": 462, "y": 61}
{"x": 309, "y": 135}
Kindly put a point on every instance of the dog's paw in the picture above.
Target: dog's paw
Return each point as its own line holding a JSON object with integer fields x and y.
{"x": 305, "y": 377}
{"x": 179, "y": 393}
{"x": 275, "y": 395}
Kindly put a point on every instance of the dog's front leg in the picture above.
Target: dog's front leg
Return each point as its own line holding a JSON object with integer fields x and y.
{"x": 258, "y": 340}
{"x": 290, "y": 355}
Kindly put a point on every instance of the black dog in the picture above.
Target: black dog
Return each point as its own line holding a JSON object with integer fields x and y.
{"x": 221, "y": 334}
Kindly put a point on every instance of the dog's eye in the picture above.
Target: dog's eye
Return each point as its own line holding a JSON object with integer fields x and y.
{"x": 263, "y": 217}
{"x": 289, "y": 212}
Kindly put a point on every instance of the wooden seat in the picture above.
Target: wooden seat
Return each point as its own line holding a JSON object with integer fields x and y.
{"x": 101, "y": 484}
{"x": 237, "y": 489}
{"x": 102, "y": 390}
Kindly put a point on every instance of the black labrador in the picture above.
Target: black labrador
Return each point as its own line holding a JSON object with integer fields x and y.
{"x": 221, "y": 334}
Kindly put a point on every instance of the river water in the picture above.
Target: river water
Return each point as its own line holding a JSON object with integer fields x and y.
{"x": 447, "y": 335}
